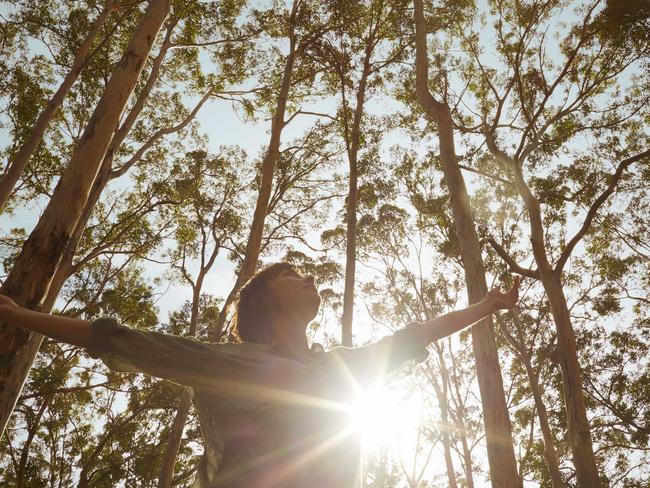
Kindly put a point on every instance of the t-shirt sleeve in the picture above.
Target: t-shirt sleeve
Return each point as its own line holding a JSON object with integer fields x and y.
{"x": 183, "y": 360}
{"x": 373, "y": 361}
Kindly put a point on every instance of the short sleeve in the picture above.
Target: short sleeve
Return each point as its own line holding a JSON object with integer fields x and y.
{"x": 183, "y": 360}
{"x": 373, "y": 361}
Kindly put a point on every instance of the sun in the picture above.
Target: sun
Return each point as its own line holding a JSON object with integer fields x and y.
{"x": 381, "y": 417}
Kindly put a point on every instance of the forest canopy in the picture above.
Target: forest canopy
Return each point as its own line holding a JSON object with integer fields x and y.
{"x": 409, "y": 154}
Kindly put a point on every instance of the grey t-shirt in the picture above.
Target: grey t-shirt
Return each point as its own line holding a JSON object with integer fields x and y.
{"x": 269, "y": 417}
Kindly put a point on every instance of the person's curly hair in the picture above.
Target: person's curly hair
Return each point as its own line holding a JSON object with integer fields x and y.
{"x": 254, "y": 307}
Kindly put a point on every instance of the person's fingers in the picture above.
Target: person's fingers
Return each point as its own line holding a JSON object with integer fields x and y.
{"x": 514, "y": 291}
{"x": 515, "y": 285}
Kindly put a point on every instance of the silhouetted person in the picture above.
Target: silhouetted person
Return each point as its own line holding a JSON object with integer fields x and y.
{"x": 273, "y": 411}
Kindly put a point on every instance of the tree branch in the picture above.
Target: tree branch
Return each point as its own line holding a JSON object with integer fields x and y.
{"x": 531, "y": 273}
{"x": 487, "y": 175}
{"x": 623, "y": 165}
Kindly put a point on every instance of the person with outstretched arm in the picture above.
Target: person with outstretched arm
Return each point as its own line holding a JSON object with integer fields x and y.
{"x": 273, "y": 410}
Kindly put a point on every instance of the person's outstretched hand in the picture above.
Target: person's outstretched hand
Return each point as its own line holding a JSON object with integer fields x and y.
{"x": 504, "y": 301}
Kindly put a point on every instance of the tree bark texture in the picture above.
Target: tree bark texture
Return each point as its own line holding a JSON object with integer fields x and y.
{"x": 500, "y": 448}
{"x": 31, "y": 275}
{"x": 577, "y": 423}
{"x": 16, "y": 166}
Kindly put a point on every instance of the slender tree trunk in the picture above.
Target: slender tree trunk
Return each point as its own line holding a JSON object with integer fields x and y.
{"x": 16, "y": 166}
{"x": 166, "y": 476}
{"x": 550, "y": 456}
{"x": 104, "y": 175}
{"x": 89, "y": 462}
{"x": 176, "y": 433}
{"x": 174, "y": 443}
{"x": 20, "y": 475}
{"x": 500, "y": 448}
{"x": 353, "y": 141}
{"x": 549, "y": 450}
{"x": 467, "y": 455}
{"x": 350, "y": 256}
{"x": 253, "y": 246}
{"x": 578, "y": 429}
{"x": 460, "y": 423}
{"x": 442, "y": 392}
{"x": 30, "y": 277}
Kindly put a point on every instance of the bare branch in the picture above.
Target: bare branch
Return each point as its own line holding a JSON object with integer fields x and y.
{"x": 487, "y": 175}
{"x": 516, "y": 268}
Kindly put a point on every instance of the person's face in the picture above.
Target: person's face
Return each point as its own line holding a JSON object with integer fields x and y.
{"x": 295, "y": 295}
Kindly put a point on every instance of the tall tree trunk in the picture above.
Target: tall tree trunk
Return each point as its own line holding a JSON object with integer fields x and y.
{"x": 166, "y": 475}
{"x": 176, "y": 433}
{"x": 467, "y": 454}
{"x": 253, "y": 246}
{"x": 24, "y": 455}
{"x": 500, "y": 448}
{"x": 30, "y": 277}
{"x": 577, "y": 423}
{"x": 88, "y": 463}
{"x": 442, "y": 392}
{"x": 549, "y": 453}
{"x": 16, "y": 166}
{"x": 353, "y": 141}
{"x": 350, "y": 255}
{"x": 104, "y": 175}
{"x": 578, "y": 429}
{"x": 460, "y": 421}
{"x": 550, "y": 456}
{"x": 174, "y": 443}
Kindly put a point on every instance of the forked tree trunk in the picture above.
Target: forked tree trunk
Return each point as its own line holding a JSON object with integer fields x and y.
{"x": 168, "y": 463}
{"x": 30, "y": 277}
{"x": 254, "y": 244}
{"x": 500, "y": 448}
{"x": 578, "y": 429}
{"x": 33, "y": 429}
{"x": 88, "y": 462}
{"x": 17, "y": 164}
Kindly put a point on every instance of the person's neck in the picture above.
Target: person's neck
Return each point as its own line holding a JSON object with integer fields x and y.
{"x": 291, "y": 333}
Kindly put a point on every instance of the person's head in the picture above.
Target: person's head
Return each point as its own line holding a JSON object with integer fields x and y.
{"x": 277, "y": 296}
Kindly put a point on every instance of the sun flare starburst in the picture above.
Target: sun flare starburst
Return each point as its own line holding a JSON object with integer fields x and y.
{"x": 381, "y": 417}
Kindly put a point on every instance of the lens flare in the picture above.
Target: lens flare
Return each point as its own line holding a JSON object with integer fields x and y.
{"x": 380, "y": 417}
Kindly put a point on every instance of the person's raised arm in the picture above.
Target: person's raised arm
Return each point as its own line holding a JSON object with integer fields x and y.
{"x": 65, "y": 329}
{"x": 452, "y": 322}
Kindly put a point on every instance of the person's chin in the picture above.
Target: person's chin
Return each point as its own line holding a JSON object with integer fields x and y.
{"x": 314, "y": 304}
